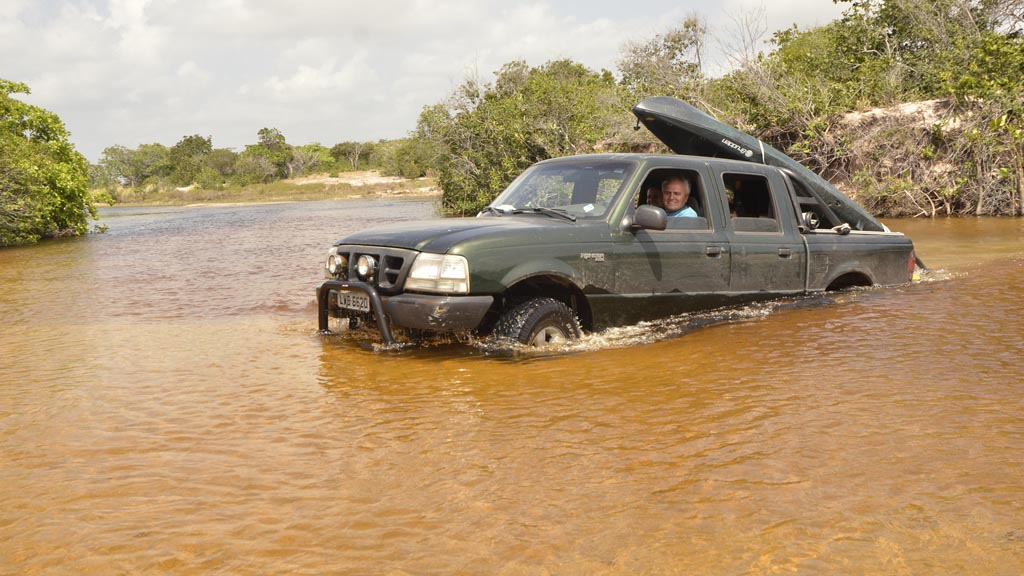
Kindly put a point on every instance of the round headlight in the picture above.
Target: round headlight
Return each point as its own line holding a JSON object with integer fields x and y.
{"x": 366, "y": 266}
{"x": 336, "y": 265}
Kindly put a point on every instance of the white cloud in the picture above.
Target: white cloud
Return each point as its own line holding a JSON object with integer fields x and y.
{"x": 189, "y": 71}
{"x": 317, "y": 82}
{"x": 138, "y": 71}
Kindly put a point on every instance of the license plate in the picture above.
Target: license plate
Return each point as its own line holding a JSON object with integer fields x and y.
{"x": 354, "y": 300}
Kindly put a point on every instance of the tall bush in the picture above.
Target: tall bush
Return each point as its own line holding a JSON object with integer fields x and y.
{"x": 43, "y": 179}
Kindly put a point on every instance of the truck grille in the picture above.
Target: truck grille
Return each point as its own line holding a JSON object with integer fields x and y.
{"x": 392, "y": 265}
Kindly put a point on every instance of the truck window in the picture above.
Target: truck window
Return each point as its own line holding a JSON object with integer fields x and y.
{"x": 582, "y": 187}
{"x": 751, "y": 207}
{"x": 808, "y": 202}
{"x": 697, "y": 200}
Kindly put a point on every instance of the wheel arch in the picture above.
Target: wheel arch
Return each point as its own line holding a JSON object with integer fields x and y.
{"x": 552, "y": 284}
{"x": 849, "y": 279}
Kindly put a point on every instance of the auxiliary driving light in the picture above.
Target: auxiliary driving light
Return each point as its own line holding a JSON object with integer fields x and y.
{"x": 366, "y": 266}
{"x": 336, "y": 265}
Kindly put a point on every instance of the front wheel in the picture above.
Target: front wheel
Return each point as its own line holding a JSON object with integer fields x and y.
{"x": 538, "y": 322}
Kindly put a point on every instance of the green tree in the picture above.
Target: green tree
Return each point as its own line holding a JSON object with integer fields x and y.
{"x": 405, "y": 157}
{"x": 902, "y": 49}
{"x": 116, "y": 164}
{"x": 265, "y": 161}
{"x": 187, "y": 158}
{"x": 788, "y": 96}
{"x": 218, "y": 168}
{"x": 968, "y": 54}
{"x": 669, "y": 64}
{"x": 305, "y": 159}
{"x": 100, "y": 177}
{"x": 883, "y": 52}
{"x": 147, "y": 164}
{"x": 222, "y": 161}
{"x": 273, "y": 146}
{"x": 485, "y": 135}
{"x": 253, "y": 168}
{"x": 153, "y": 163}
{"x": 352, "y": 153}
{"x": 43, "y": 179}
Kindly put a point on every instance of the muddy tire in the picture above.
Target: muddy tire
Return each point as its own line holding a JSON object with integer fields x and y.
{"x": 538, "y": 322}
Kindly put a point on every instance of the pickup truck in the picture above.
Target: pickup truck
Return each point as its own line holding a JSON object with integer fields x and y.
{"x": 572, "y": 245}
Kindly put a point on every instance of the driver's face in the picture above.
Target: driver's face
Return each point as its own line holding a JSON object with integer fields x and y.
{"x": 675, "y": 193}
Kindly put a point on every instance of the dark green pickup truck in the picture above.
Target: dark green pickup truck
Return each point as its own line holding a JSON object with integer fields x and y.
{"x": 572, "y": 244}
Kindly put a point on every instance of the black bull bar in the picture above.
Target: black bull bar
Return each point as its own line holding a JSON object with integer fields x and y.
{"x": 324, "y": 305}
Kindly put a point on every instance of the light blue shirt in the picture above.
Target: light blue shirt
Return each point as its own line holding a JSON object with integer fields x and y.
{"x": 685, "y": 212}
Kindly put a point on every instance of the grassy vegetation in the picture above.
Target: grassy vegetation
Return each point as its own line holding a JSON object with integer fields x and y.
{"x": 305, "y": 189}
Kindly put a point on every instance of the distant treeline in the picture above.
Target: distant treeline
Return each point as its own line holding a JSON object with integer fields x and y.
{"x": 194, "y": 162}
{"x": 963, "y": 58}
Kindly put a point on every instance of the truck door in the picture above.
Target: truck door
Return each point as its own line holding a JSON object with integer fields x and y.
{"x": 682, "y": 268}
{"x": 768, "y": 255}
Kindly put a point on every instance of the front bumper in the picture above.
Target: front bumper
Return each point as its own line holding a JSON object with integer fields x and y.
{"x": 436, "y": 313}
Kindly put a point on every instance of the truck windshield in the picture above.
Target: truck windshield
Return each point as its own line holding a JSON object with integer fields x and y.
{"x": 578, "y": 189}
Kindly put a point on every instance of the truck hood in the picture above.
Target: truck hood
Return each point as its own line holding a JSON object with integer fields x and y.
{"x": 439, "y": 236}
{"x": 687, "y": 130}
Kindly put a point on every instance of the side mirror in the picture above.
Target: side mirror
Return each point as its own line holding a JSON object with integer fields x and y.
{"x": 649, "y": 218}
{"x": 810, "y": 220}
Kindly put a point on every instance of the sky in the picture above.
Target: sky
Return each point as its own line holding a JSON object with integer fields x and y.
{"x": 131, "y": 72}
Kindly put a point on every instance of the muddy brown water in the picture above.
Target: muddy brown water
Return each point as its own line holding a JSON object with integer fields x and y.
{"x": 166, "y": 407}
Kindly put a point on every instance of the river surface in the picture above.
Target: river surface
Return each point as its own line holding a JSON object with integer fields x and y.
{"x": 167, "y": 407}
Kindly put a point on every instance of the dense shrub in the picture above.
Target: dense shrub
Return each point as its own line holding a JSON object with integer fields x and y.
{"x": 43, "y": 179}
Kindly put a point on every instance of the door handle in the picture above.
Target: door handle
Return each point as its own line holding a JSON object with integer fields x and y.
{"x": 785, "y": 252}
{"x": 713, "y": 251}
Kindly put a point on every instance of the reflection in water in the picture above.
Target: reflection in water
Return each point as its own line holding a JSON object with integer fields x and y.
{"x": 166, "y": 406}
